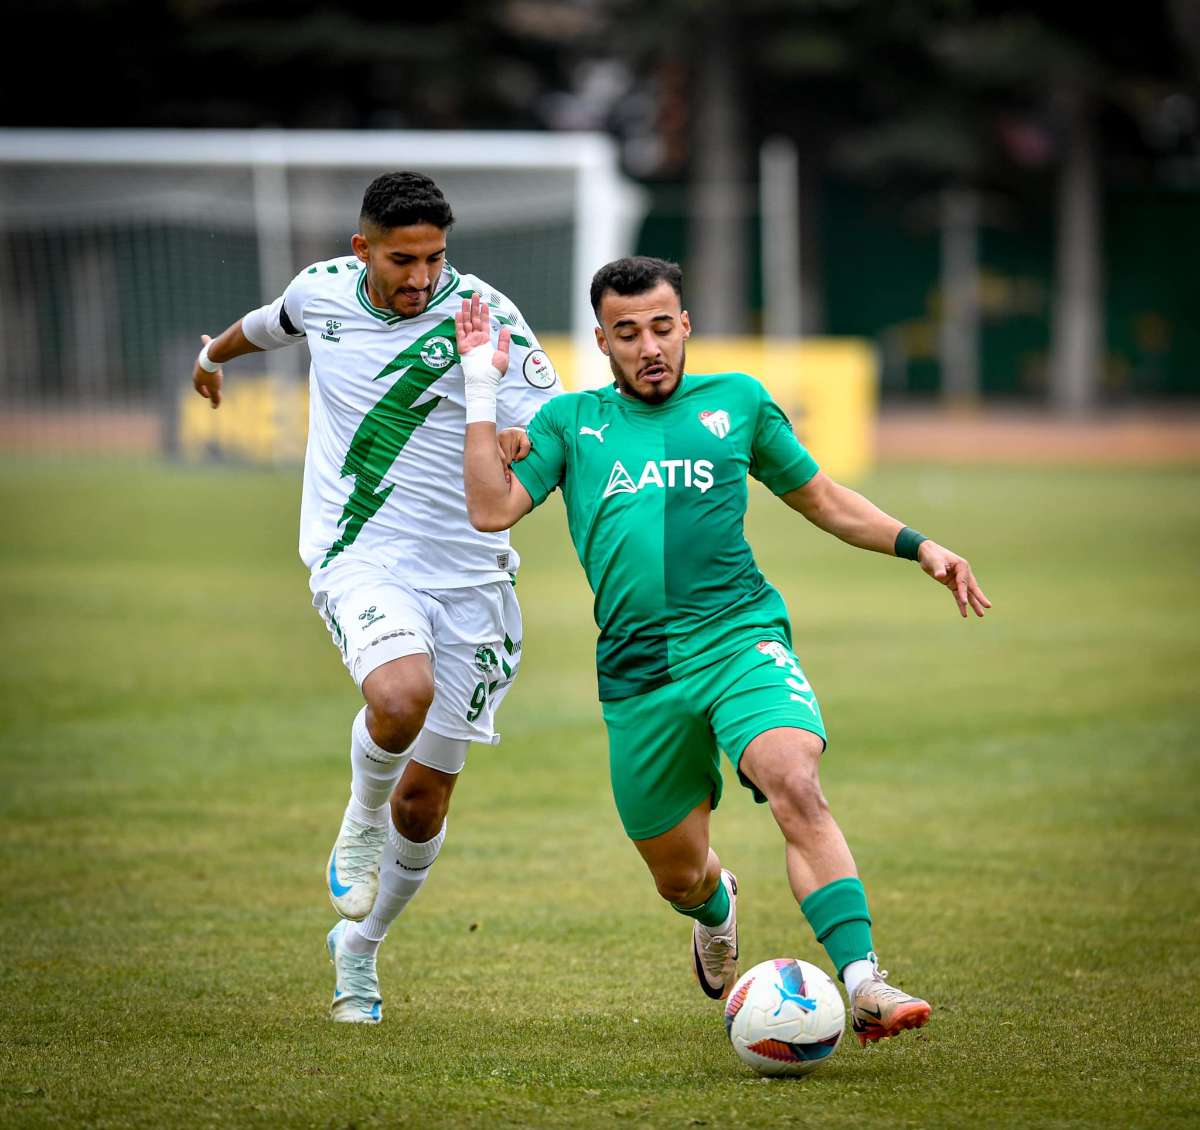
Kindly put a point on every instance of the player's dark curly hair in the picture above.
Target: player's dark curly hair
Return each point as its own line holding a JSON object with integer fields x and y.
{"x": 635, "y": 275}
{"x": 395, "y": 200}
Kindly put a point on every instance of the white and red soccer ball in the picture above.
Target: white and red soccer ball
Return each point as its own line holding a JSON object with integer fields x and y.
{"x": 785, "y": 1017}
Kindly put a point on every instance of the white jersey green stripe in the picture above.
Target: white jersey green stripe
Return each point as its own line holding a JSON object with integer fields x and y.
{"x": 383, "y": 467}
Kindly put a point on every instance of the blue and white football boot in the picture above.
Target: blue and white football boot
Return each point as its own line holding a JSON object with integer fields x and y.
{"x": 352, "y": 876}
{"x": 356, "y": 998}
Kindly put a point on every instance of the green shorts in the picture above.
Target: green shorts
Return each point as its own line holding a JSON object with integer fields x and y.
{"x": 662, "y": 745}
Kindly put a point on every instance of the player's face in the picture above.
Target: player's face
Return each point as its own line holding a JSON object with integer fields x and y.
{"x": 403, "y": 265}
{"x": 642, "y": 336}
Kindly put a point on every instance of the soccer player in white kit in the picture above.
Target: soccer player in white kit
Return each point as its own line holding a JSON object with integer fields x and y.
{"x": 420, "y": 604}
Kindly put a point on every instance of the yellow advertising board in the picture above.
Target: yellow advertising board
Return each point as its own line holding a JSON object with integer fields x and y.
{"x": 828, "y": 386}
{"x": 261, "y": 420}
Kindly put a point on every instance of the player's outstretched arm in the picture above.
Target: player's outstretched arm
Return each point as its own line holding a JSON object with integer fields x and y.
{"x": 856, "y": 520}
{"x": 495, "y": 499}
{"x": 207, "y": 377}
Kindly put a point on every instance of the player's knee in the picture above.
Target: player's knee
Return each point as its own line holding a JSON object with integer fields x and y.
{"x": 681, "y": 883}
{"x": 397, "y": 712}
{"x": 798, "y": 797}
{"x": 418, "y": 813}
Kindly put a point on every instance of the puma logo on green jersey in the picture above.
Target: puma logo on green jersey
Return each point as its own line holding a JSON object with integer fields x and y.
{"x": 664, "y": 473}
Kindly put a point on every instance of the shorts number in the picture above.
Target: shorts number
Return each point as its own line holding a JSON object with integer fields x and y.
{"x": 479, "y": 697}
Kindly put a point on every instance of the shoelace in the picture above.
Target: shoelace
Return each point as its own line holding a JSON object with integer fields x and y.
{"x": 716, "y": 946}
{"x": 358, "y": 854}
{"x": 358, "y": 977}
{"x": 883, "y": 989}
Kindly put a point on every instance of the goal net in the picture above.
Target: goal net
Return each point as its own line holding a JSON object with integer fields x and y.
{"x": 119, "y": 248}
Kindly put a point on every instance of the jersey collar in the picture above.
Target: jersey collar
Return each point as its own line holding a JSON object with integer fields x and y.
{"x": 446, "y": 284}
{"x": 632, "y": 404}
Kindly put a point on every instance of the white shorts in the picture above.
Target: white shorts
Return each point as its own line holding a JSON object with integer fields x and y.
{"x": 471, "y": 635}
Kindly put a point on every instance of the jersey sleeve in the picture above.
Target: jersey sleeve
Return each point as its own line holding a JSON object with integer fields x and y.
{"x": 778, "y": 459}
{"x": 281, "y": 322}
{"x": 531, "y": 380}
{"x": 543, "y": 468}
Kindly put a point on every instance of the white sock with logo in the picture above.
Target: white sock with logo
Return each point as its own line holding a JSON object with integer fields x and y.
{"x": 374, "y": 772}
{"x": 402, "y": 873}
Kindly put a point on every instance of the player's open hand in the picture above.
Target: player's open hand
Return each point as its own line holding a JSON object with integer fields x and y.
{"x": 207, "y": 384}
{"x": 472, "y": 328}
{"x": 954, "y": 572}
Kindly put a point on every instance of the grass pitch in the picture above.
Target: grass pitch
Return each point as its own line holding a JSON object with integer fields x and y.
{"x": 1021, "y": 795}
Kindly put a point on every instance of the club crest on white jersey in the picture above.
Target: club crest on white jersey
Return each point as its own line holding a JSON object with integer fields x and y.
{"x": 438, "y": 353}
{"x": 663, "y": 474}
{"x": 716, "y": 422}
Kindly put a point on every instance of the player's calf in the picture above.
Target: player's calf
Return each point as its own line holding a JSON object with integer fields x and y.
{"x": 352, "y": 872}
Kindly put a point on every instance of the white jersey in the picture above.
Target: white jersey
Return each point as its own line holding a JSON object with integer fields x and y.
{"x": 386, "y": 420}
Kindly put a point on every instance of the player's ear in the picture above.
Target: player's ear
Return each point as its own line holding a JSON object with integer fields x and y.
{"x": 602, "y": 341}
{"x": 358, "y": 243}
{"x": 686, "y": 323}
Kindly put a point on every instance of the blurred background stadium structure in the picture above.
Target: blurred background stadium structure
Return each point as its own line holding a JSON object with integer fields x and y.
{"x": 162, "y": 234}
{"x": 996, "y": 199}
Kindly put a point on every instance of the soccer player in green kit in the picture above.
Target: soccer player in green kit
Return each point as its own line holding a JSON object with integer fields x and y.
{"x": 695, "y": 648}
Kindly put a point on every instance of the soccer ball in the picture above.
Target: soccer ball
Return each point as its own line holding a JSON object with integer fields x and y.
{"x": 785, "y": 1017}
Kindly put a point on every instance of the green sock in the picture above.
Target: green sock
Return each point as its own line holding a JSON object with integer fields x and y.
{"x": 838, "y": 914}
{"x": 713, "y": 911}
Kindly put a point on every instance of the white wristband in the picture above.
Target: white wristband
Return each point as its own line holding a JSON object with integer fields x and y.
{"x": 203, "y": 360}
{"x": 481, "y": 379}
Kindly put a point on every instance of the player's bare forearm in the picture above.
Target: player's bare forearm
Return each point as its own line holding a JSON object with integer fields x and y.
{"x": 496, "y": 500}
{"x": 231, "y": 343}
{"x": 856, "y": 520}
{"x": 845, "y": 513}
{"x": 227, "y": 345}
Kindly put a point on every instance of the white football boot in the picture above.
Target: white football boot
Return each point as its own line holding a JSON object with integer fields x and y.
{"x": 879, "y": 1011}
{"x": 356, "y": 998}
{"x": 715, "y": 956}
{"x": 353, "y": 873}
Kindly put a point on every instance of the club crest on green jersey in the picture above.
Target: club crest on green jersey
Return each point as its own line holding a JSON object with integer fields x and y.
{"x": 716, "y": 422}
{"x": 663, "y": 474}
{"x": 438, "y": 353}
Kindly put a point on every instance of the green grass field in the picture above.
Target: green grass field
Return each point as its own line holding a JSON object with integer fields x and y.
{"x": 1021, "y": 795}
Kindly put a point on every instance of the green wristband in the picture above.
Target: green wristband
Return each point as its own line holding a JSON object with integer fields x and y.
{"x": 908, "y": 541}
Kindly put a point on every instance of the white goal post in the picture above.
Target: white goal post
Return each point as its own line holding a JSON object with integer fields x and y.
{"x": 118, "y": 247}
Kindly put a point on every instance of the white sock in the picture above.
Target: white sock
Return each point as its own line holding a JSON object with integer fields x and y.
{"x": 374, "y": 772}
{"x": 856, "y": 973}
{"x": 402, "y": 872}
{"x": 375, "y": 817}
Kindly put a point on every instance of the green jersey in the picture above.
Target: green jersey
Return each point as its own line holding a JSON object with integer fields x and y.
{"x": 656, "y": 501}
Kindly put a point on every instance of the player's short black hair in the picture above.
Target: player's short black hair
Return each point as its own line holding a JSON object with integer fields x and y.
{"x": 635, "y": 275}
{"x": 395, "y": 200}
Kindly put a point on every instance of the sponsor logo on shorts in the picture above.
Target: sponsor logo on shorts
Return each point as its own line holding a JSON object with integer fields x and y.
{"x": 662, "y": 474}
{"x": 798, "y": 685}
{"x": 486, "y": 659}
{"x": 369, "y": 615}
